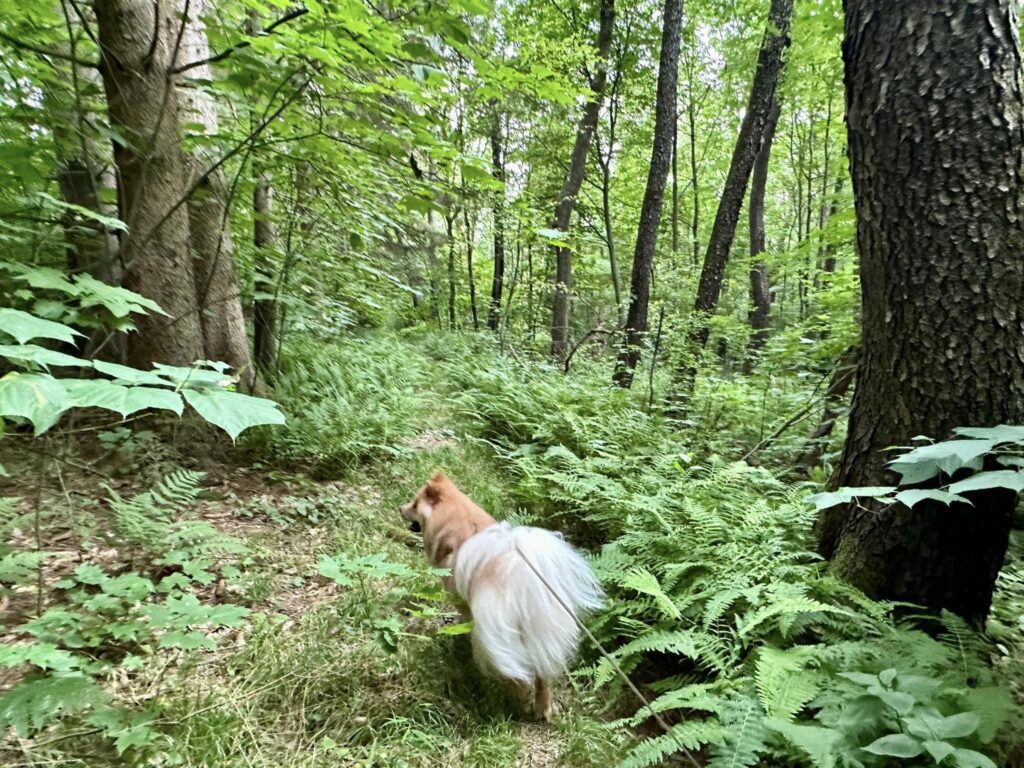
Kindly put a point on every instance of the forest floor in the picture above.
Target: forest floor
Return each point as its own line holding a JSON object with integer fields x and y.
{"x": 321, "y": 673}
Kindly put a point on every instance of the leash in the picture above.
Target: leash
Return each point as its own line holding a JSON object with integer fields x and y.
{"x": 608, "y": 657}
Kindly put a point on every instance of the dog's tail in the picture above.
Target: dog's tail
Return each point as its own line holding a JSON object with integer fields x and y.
{"x": 521, "y": 630}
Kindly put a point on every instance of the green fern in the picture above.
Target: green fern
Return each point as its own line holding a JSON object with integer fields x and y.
{"x": 784, "y": 684}
{"x": 746, "y": 734}
{"x": 690, "y": 735}
{"x": 39, "y": 699}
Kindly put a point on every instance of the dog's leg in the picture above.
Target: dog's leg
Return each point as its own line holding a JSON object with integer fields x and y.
{"x": 542, "y": 700}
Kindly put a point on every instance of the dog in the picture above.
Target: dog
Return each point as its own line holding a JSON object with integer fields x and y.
{"x": 522, "y": 632}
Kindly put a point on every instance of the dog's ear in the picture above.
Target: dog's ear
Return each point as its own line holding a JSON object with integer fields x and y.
{"x": 432, "y": 491}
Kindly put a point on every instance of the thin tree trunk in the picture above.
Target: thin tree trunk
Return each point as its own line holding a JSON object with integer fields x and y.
{"x": 938, "y": 236}
{"x": 498, "y": 172}
{"x": 604, "y": 161}
{"x": 217, "y": 289}
{"x": 691, "y": 116}
{"x": 675, "y": 184}
{"x": 650, "y": 212}
{"x": 449, "y": 226}
{"x": 838, "y": 386}
{"x": 760, "y": 293}
{"x": 470, "y": 234}
{"x": 561, "y": 305}
{"x": 762, "y": 93}
{"x": 139, "y": 42}
{"x": 264, "y": 305}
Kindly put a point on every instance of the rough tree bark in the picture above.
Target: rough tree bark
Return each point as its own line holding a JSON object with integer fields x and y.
{"x": 264, "y": 305}
{"x": 935, "y": 120}
{"x": 139, "y": 41}
{"x": 498, "y": 172}
{"x": 217, "y": 289}
{"x": 760, "y": 293}
{"x": 561, "y": 305}
{"x": 650, "y": 211}
{"x": 748, "y": 143}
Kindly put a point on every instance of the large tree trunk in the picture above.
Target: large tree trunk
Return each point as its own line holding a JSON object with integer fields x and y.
{"x": 748, "y": 143}
{"x": 264, "y": 305}
{"x": 217, "y": 290}
{"x": 561, "y": 306}
{"x": 498, "y": 171}
{"x": 760, "y": 293}
{"x": 935, "y": 122}
{"x": 650, "y": 211}
{"x": 138, "y": 54}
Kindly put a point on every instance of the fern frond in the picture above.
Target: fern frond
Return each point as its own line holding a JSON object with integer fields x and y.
{"x": 690, "y": 735}
{"x": 784, "y": 685}
{"x": 746, "y": 735}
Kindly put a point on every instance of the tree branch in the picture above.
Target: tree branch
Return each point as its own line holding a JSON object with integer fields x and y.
{"x": 44, "y": 52}
{"x": 239, "y": 46}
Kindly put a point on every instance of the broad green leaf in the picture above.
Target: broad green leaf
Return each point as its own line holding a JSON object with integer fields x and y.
{"x": 916, "y": 495}
{"x": 124, "y": 374}
{"x": 948, "y": 456}
{"x": 100, "y": 393}
{"x": 25, "y": 327}
{"x": 195, "y": 376}
{"x": 958, "y": 726}
{"x": 846, "y": 495}
{"x": 1001, "y": 478}
{"x": 120, "y": 302}
{"x": 895, "y": 745}
{"x": 231, "y": 411}
{"x": 38, "y": 397}
{"x": 968, "y": 758}
{"x": 939, "y": 750}
{"x": 1004, "y": 433}
{"x": 31, "y": 353}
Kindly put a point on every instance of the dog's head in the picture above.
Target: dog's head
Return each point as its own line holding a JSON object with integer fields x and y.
{"x": 417, "y": 511}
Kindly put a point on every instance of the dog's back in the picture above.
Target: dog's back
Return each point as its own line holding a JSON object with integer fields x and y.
{"x": 521, "y": 630}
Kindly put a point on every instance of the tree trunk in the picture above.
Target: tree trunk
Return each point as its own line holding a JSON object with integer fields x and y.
{"x": 561, "y": 306}
{"x": 85, "y": 174}
{"x": 650, "y": 211}
{"x": 264, "y": 305}
{"x": 691, "y": 117}
{"x": 762, "y": 94}
{"x": 217, "y": 291}
{"x": 838, "y": 386}
{"x": 470, "y": 234}
{"x": 449, "y": 227}
{"x": 498, "y": 172}
{"x": 138, "y": 54}
{"x": 939, "y": 231}
{"x": 760, "y": 295}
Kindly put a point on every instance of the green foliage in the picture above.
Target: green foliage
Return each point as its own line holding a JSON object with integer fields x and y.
{"x": 349, "y": 402}
{"x": 41, "y": 398}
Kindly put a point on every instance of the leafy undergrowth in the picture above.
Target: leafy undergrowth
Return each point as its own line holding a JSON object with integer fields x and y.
{"x": 258, "y": 617}
{"x": 280, "y": 614}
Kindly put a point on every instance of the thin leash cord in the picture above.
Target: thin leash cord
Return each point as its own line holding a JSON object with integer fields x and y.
{"x": 608, "y": 657}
